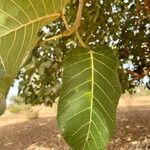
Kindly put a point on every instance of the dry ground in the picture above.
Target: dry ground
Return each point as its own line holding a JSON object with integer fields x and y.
{"x": 132, "y": 133}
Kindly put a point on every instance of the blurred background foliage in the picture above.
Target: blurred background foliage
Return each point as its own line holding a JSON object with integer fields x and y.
{"x": 123, "y": 25}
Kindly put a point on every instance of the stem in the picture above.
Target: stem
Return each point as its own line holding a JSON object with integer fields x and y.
{"x": 54, "y": 38}
{"x": 80, "y": 39}
{"x": 79, "y": 15}
{"x": 75, "y": 26}
{"x": 65, "y": 22}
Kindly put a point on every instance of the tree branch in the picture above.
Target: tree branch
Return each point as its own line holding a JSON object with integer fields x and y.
{"x": 135, "y": 75}
{"x": 72, "y": 29}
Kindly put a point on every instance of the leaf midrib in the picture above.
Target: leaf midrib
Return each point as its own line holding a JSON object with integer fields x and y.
{"x": 92, "y": 97}
{"x": 32, "y": 22}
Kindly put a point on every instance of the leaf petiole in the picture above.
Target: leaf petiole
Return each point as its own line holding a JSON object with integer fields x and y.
{"x": 73, "y": 29}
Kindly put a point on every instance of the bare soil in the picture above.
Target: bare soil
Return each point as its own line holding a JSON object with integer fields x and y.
{"x": 132, "y": 132}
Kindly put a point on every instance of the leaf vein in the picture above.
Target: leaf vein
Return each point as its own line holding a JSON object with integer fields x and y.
{"x": 11, "y": 16}
{"x": 98, "y": 132}
{"x": 74, "y": 101}
{"x": 107, "y": 81}
{"x": 104, "y": 94}
{"x": 101, "y": 121}
{"x": 21, "y": 10}
{"x": 78, "y": 74}
{"x": 77, "y": 62}
{"x": 106, "y": 66}
{"x": 34, "y": 8}
{"x": 46, "y": 12}
{"x": 75, "y": 88}
{"x": 104, "y": 110}
{"x": 106, "y": 57}
{"x": 75, "y": 116}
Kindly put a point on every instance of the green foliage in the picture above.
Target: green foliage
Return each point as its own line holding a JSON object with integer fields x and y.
{"x": 30, "y": 112}
{"x": 17, "y": 100}
{"x": 20, "y": 22}
{"x": 41, "y": 82}
{"x": 121, "y": 25}
{"x": 89, "y": 97}
{"x": 119, "y": 28}
{"x": 15, "y": 108}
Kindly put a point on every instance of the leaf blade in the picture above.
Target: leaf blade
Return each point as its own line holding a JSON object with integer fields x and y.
{"x": 86, "y": 111}
{"x": 20, "y": 21}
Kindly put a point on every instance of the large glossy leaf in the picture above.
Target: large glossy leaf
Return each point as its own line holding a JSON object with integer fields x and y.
{"x": 89, "y": 97}
{"x": 20, "y": 20}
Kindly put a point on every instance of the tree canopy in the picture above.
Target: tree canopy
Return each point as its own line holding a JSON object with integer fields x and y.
{"x": 121, "y": 25}
{"x": 86, "y": 53}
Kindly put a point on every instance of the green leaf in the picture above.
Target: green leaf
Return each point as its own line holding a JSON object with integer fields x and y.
{"x": 2, "y": 104}
{"x": 89, "y": 98}
{"x": 20, "y": 21}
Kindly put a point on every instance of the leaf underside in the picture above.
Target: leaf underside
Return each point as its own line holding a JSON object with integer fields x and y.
{"x": 20, "y": 21}
{"x": 89, "y": 98}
